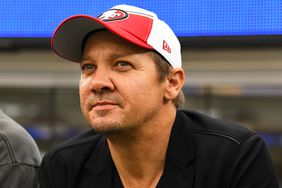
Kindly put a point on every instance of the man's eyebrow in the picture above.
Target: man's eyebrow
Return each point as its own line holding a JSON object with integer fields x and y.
{"x": 116, "y": 56}
{"x": 125, "y": 54}
{"x": 85, "y": 58}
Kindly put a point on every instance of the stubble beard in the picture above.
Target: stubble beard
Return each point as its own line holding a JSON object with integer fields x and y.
{"x": 108, "y": 126}
{"x": 124, "y": 127}
{"x": 107, "y": 129}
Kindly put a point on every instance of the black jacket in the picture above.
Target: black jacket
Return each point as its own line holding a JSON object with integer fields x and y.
{"x": 202, "y": 153}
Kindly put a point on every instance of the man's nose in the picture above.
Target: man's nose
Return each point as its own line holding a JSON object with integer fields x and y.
{"x": 102, "y": 81}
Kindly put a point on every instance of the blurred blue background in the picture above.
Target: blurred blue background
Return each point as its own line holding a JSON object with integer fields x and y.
{"x": 39, "y": 18}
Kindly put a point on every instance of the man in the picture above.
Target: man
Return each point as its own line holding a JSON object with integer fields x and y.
{"x": 19, "y": 156}
{"x": 130, "y": 88}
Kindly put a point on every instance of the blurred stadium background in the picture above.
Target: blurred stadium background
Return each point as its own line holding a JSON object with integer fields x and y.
{"x": 232, "y": 54}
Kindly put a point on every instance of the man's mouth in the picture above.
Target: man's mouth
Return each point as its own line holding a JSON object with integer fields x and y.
{"x": 103, "y": 105}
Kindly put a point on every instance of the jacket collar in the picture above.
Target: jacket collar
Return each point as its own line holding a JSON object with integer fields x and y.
{"x": 99, "y": 167}
{"x": 180, "y": 148}
{"x": 178, "y": 170}
{"x": 100, "y": 159}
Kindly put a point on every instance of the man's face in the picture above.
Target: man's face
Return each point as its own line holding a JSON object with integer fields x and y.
{"x": 119, "y": 86}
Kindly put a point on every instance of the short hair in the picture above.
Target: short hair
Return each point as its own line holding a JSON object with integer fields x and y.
{"x": 163, "y": 69}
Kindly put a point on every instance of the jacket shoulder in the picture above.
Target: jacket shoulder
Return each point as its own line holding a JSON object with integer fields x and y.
{"x": 62, "y": 165}
{"x": 83, "y": 143}
{"x": 204, "y": 125}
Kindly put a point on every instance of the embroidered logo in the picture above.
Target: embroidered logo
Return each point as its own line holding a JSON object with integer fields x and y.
{"x": 113, "y": 15}
{"x": 166, "y": 46}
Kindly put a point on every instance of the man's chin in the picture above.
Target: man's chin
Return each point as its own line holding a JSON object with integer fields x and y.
{"x": 107, "y": 130}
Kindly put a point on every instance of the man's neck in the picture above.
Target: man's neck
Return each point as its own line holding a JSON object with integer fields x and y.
{"x": 139, "y": 156}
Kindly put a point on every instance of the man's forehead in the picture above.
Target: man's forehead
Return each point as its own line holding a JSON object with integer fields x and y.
{"x": 88, "y": 57}
{"x": 113, "y": 55}
{"x": 107, "y": 40}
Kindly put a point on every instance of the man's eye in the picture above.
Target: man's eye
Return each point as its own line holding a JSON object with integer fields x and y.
{"x": 88, "y": 68}
{"x": 123, "y": 66}
{"x": 123, "y": 63}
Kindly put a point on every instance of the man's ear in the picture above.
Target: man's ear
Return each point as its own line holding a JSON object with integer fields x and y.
{"x": 175, "y": 82}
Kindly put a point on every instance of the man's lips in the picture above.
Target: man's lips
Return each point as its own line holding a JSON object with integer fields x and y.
{"x": 103, "y": 105}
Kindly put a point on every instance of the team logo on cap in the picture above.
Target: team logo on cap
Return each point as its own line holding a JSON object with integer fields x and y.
{"x": 113, "y": 15}
{"x": 166, "y": 47}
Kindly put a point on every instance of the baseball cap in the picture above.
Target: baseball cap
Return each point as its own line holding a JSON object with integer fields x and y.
{"x": 136, "y": 25}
